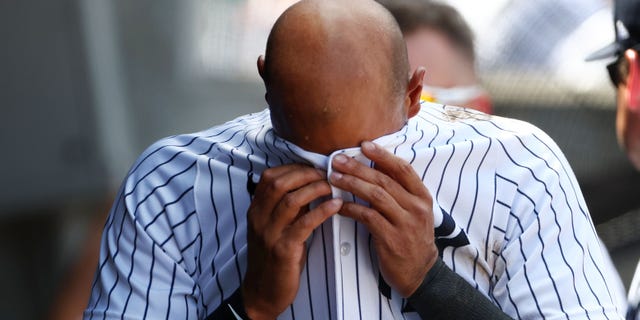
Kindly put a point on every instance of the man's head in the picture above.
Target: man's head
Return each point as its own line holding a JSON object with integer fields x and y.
{"x": 336, "y": 74}
{"x": 624, "y": 72}
{"x": 439, "y": 39}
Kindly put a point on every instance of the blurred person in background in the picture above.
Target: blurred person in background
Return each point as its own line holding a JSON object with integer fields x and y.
{"x": 625, "y": 75}
{"x": 439, "y": 39}
{"x": 624, "y": 72}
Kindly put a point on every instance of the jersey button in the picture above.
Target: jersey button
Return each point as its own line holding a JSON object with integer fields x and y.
{"x": 345, "y": 248}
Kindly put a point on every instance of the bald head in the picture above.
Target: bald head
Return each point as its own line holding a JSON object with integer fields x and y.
{"x": 335, "y": 69}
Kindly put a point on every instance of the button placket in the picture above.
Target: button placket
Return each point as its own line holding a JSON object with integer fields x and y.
{"x": 341, "y": 233}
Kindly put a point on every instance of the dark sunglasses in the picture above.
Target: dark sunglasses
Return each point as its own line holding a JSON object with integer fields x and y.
{"x": 618, "y": 70}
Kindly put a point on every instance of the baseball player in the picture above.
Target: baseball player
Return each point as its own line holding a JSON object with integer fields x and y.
{"x": 625, "y": 75}
{"x": 349, "y": 199}
{"x": 624, "y": 72}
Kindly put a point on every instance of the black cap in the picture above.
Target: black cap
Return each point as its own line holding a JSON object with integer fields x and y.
{"x": 626, "y": 19}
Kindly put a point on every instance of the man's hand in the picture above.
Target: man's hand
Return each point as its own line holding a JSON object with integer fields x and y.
{"x": 279, "y": 222}
{"x": 400, "y": 218}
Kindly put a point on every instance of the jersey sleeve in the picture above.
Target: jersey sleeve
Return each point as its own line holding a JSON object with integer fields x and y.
{"x": 142, "y": 271}
{"x": 551, "y": 264}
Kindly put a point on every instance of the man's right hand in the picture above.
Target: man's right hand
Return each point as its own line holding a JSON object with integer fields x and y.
{"x": 279, "y": 222}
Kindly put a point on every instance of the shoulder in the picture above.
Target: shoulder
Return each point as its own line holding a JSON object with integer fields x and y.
{"x": 172, "y": 151}
{"x": 462, "y": 124}
{"x": 470, "y": 124}
{"x": 167, "y": 168}
{"x": 517, "y": 150}
{"x": 202, "y": 142}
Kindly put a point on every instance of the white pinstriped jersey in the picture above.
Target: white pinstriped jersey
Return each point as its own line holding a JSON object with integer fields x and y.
{"x": 634, "y": 295}
{"x": 509, "y": 217}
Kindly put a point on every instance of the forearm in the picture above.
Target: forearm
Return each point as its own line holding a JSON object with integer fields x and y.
{"x": 445, "y": 295}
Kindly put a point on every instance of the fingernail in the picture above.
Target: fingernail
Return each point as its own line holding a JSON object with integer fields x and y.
{"x": 340, "y": 158}
{"x": 368, "y": 146}
{"x": 335, "y": 176}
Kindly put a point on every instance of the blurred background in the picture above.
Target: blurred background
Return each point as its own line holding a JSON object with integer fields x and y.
{"x": 86, "y": 85}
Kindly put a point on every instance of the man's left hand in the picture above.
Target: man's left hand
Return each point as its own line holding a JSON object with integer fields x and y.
{"x": 400, "y": 216}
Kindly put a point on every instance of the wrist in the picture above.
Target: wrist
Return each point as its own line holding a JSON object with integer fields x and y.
{"x": 432, "y": 273}
{"x": 251, "y": 307}
{"x": 430, "y": 267}
{"x": 256, "y": 314}
{"x": 232, "y": 308}
{"x": 253, "y": 314}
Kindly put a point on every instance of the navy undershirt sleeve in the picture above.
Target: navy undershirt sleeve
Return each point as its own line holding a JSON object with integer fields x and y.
{"x": 445, "y": 295}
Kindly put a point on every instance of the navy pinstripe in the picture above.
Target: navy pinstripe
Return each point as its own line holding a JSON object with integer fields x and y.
{"x": 509, "y": 217}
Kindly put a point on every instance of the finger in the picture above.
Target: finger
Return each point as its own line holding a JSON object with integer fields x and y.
{"x": 287, "y": 177}
{"x": 397, "y": 168}
{"x": 276, "y": 182}
{"x": 350, "y": 166}
{"x": 376, "y": 195}
{"x": 301, "y": 229}
{"x": 292, "y": 203}
{"x": 377, "y": 225}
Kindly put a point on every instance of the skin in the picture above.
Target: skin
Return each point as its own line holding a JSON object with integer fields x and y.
{"x": 318, "y": 73}
{"x": 628, "y": 126}
{"x": 325, "y": 94}
{"x": 400, "y": 218}
{"x": 279, "y": 222}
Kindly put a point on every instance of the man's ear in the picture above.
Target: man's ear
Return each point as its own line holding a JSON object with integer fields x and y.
{"x": 260, "y": 64}
{"x": 414, "y": 91}
{"x": 633, "y": 80}
{"x": 261, "y": 67}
